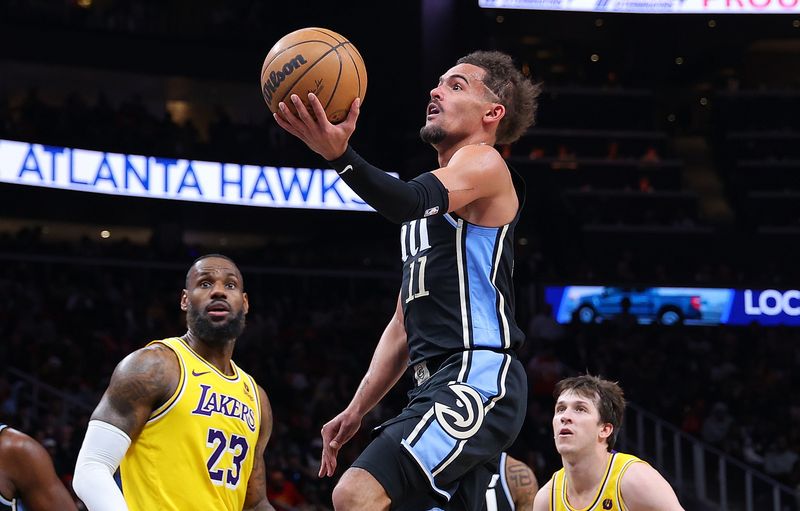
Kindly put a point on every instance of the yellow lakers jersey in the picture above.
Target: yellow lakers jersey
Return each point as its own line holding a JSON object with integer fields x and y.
{"x": 609, "y": 497}
{"x": 196, "y": 451}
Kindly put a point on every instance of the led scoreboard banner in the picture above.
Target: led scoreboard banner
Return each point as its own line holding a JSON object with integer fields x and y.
{"x": 23, "y": 163}
{"x": 669, "y": 305}
{"x": 652, "y": 6}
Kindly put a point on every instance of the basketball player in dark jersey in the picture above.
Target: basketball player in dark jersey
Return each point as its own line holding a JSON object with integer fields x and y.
{"x": 513, "y": 486}
{"x": 454, "y": 322}
{"x": 27, "y": 475}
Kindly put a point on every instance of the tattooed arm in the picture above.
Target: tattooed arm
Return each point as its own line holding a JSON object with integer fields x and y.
{"x": 141, "y": 382}
{"x": 522, "y": 483}
{"x": 256, "y": 498}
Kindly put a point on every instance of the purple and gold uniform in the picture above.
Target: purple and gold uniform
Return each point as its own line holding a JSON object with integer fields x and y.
{"x": 196, "y": 451}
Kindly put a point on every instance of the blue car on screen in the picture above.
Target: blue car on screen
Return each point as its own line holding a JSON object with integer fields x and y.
{"x": 647, "y": 304}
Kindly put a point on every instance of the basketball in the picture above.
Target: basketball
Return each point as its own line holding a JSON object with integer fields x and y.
{"x": 314, "y": 60}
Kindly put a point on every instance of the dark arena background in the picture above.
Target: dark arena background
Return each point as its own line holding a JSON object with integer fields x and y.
{"x": 663, "y": 172}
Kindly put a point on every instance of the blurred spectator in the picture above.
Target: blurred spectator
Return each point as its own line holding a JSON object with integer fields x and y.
{"x": 625, "y": 320}
{"x": 612, "y": 81}
{"x": 651, "y": 155}
{"x": 544, "y": 370}
{"x": 645, "y": 185}
{"x": 536, "y": 153}
{"x": 544, "y": 326}
{"x": 613, "y": 150}
{"x": 565, "y": 158}
{"x": 751, "y": 451}
{"x": 780, "y": 460}
{"x": 692, "y": 422}
{"x": 283, "y": 493}
{"x": 717, "y": 425}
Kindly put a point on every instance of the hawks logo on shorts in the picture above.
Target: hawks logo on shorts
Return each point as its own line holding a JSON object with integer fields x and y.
{"x": 462, "y": 417}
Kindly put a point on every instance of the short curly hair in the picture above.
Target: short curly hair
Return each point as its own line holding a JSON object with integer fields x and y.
{"x": 516, "y": 92}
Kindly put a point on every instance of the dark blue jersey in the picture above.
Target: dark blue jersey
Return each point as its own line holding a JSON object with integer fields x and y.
{"x": 498, "y": 494}
{"x": 6, "y": 503}
{"x": 457, "y": 290}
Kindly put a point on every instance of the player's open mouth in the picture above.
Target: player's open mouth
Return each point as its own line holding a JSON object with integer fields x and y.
{"x": 433, "y": 109}
{"x": 218, "y": 309}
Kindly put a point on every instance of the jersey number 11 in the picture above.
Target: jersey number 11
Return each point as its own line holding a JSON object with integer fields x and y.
{"x": 417, "y": 233}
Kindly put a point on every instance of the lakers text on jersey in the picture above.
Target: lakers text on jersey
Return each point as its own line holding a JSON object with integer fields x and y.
{"x": 196, "y": 451}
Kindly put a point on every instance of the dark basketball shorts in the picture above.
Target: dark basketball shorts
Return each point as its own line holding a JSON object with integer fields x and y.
{"x": 443, "y": 448}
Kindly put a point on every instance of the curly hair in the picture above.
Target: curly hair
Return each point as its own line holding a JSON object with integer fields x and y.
{"x": 516, "y": 92}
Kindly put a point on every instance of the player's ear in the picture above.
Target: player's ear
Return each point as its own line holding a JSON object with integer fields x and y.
{"x": 184, "y": 300}
{"x": 245, "y": 303}
{"x": 495, "y": 112}
{"x": 606, "y": 431}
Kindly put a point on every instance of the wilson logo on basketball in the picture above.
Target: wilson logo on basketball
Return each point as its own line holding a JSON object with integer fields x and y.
{"x": 465, "y": 418}
{"x": 276, "y": 78}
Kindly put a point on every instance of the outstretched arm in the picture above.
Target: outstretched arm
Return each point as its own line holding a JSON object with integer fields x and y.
{"x": 140, "y": 383}
{"x": 34, "y": 476}
{"x": 644, "y": 489}
{"x": 395, "y": 199}
{"x": 256, "y": 498}
{"x": 388, "y": 364}
{"x": 474, "y": 172}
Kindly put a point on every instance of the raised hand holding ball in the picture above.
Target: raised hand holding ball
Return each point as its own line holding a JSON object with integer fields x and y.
{"x": 314, "y": 60}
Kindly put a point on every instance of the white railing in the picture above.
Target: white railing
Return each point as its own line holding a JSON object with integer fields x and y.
{"x": 46, "y": 399}
{"x": 699, "y": 472}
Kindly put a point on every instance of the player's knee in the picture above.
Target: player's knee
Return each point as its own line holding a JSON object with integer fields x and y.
{"x": 344, "y": 497}
{"x": 357, "y": 490}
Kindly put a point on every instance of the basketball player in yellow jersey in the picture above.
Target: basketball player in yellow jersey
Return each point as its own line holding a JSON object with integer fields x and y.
{"x": 187, "y": 425}
{"x": 588, "y": 414}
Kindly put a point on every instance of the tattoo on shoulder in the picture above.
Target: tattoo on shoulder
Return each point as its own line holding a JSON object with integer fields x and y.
{"x": 142, "y": 378}
{"x": 519, "y": 475}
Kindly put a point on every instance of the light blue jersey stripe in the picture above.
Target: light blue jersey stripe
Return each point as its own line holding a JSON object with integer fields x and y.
{"x": 434, "y": 446}
{"x": 483, "y": 372}
{"x": 482, "y": 293}
{"x": 431, "y": 446}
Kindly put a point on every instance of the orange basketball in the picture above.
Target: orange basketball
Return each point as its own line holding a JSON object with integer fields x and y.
{"x": 314, "y": 60}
